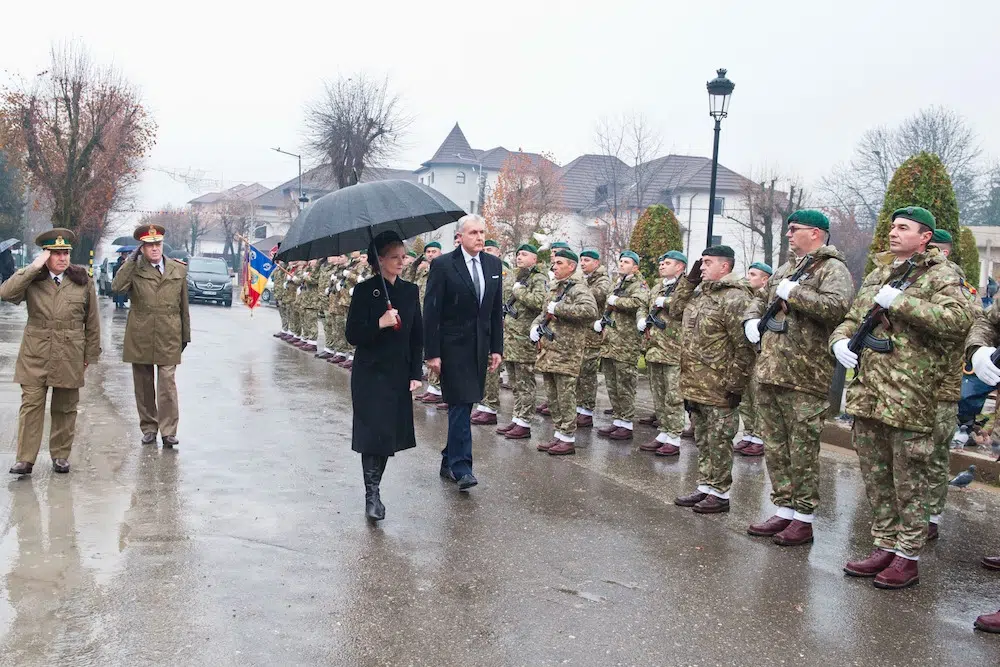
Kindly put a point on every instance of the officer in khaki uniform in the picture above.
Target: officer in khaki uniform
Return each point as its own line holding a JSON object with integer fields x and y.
{"x": 62, "y": 337}
{"x": 158, "y": 330}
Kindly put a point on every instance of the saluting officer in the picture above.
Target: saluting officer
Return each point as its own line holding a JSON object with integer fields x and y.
{"x": 599, "y": 284}
{"x": 157, "y": 331}
{"x": 62, "y": 337}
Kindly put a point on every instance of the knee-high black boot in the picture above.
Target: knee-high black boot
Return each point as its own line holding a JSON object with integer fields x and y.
{"x": 373, "y": 467}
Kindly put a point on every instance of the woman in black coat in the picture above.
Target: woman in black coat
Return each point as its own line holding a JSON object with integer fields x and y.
{"x": 387, "y": 365}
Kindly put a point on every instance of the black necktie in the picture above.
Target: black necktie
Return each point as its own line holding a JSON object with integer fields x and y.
{"x": 475, "y": 280}
{"x": 159, "y": 267}
{"x": 57, "y": 279}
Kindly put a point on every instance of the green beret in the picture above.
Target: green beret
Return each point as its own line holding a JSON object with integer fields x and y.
{"x": 719, "y": 251}
{"x": 559, "y": 244}
{"x": 942, "y": 236}
{"x": 916, "y": 214}
{"x": 566, "y": 253}
{"x": 810, "y": 218}
{"x": 593, "y": 254}
{"x": 673, "y": 254}
{"x": 433, "y": 244}
{"x": 506, "y": 263}
{"x": 411, "y": 253}
{"x": 628, "y": 254}
{"x": 492, "y": 244}
{"x": 528, "y": 247}
{"x": 761, "y": 266}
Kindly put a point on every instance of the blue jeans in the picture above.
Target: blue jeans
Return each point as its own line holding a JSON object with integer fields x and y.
{"x": 457, "y": 454}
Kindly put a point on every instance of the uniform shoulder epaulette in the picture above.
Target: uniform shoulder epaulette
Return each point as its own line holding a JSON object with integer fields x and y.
{"x": 179, "y": 261}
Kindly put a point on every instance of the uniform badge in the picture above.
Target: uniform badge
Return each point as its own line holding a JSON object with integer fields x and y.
{"x": 968, "y": 288}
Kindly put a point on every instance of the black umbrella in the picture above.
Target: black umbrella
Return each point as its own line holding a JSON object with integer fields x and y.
{"x": 9, "y": 244}
{"x": 123, "y": 240}
{"x": 349, "y": 219}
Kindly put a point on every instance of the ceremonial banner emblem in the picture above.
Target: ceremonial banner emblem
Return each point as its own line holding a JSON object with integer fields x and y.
{"x": 257, "y": 269}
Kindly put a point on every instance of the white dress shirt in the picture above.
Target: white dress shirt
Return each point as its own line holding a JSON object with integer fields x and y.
{"x": 159, "y": 266}
{"x": 53, "y": 276}
{"x": 478, "y": 264}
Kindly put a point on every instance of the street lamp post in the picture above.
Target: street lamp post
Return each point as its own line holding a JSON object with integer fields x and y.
{"x": 302, "y": 198}
{"x": 719, "y": 90}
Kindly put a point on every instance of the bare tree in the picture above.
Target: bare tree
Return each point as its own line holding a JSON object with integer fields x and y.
{"x": 767, "y": 211}
{"x": 852, "y": 239}
{"x": 235, "y": 217}
{"x": 356, "y": 125}
{"x": 523, "y": 202}
{"x": 860, "y": 185}
{"x": 185, "y": 228}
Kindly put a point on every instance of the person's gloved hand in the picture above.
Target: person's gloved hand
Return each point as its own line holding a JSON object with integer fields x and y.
{"x": 598, "y": 327}
{"x": 351, "y": 291}
{"x": 517, "y": 286}
{"x": 535, "y": 335}
{"x": 846, "y": 358}
{"x": 694, "y": 275}
{"x": 661, "y": 302}
{"x": 751, "y": 331}
{"x": 887, "y": 295}
{"x": 552, "y": 308}
{"x": 641, "y": 325}
{"x": 612, "y": 300}
{"x": 135, "y": 253}
{"x": 785, "y": 288}
{"x": 984, "y": 367}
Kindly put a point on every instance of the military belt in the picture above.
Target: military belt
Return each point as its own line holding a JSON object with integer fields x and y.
{"x": 54, "y": 324}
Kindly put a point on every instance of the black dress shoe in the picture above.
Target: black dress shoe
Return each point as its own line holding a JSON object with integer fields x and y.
{"x": 466, "y": 482}
{"x": 446, "y": 473}
{"x": 21, "y": 468}
{"x": 170, "y": 441}
{"x": 148, "y": 438}
{"x": 60, "y": 465}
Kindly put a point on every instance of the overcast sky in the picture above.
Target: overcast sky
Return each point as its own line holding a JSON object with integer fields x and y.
{"x": 227, "y": 81}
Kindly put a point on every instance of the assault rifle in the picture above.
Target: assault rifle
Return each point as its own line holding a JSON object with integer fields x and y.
{"x": 544, "y": 328}
{"x": 863, "y": 337}
{"x": 508, "y": 306}
{"x": 767, "y": 321}
{"x": 606, "y": 320}
{"x": 652, "y": 320}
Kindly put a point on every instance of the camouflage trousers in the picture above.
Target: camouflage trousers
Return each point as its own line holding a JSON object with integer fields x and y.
{"x": 333, "y": 332}
{"x": 561, "y": 391}
{"x": 433, "y": 381}
{"x": 283, "y": 313}
{"x": 664, "y": 384}
{"x": 294, "y": 320}
{"x": 491, "y": 394}
{"x": 310, "y": 324}
{"x": 894, "y": 464}
{"x": 748, "y": 409}
{"x": 620, "y": 377}
{"x": 939, "y": 471}
{"x": 714, "y": 430}
{"x": 522, "y": 380}
{"x": 791, "y": 423}
{"x": 586, "y": 383}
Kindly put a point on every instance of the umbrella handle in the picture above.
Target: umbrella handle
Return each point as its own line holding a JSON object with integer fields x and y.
{"x": 399, "y": 323}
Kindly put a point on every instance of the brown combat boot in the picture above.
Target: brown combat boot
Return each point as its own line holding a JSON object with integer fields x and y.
{"x": 605, "y": 431}
{"x": 753, "y": 449}
{"x": 668, "y": 449}
{"x": 877, "y": 560}
{"x": 484, "y": 419}
{"x": 442, "y": 406}
{"x": 562, "y": 448}
{"x": 988, "y": 623}
{"x": 504, "y": 429}
{"x": 690, "y": 500}
{"x": 518, "y": 433}
{"x": 584, "y": 421}
{"x": 546, "y": 446}
{"x": 648, "y": 421}
{"x": 797, "y": 533}
{"x": 650, "y": 446}
{"x": 688, "y": 432}
{"x": 901, "y": 573}
{"x": 621, "y": 433}
{"x": 542, "y": 408}
{"x": 742, "y": 444}
{"x": 768, "y": 528}
{"x": 712, "y": 505}
{"x": 431, "y": 399}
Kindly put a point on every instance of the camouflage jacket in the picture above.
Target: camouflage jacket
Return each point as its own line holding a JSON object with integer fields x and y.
{"x": 420, "y": 280}
{"x": 663, "y": 346}
{"x": 600, "y": 286}
{"x": 278, "y": 291}
{"x": 899, "y": 388}
{"x": 950, "y": 385}
{"x": 574, "y": 316}
{"x": 356, "y": 271}
{"x": 715, "y": 356}
{"x": 528, "y": 302}
{"x": 310, "y": 293}
{"x": 799, "y": 359}
{"x": 620, "y": 340}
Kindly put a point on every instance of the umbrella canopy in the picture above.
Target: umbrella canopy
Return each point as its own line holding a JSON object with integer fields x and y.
{"x": 346, "y": 220}
{"x": 123, "y": 240}
{"x": 8, "y": 244}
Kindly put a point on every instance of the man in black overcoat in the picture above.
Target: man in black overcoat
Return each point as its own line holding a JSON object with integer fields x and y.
{"x": 463, "y": 334}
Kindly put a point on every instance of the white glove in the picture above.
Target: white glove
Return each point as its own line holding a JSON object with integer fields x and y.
{"x": 351, "y": 291}
{"x": 985, "y": 369}
{"x": 612, "y": 300}
{"x": 887, "y": 295}
{"x": 641, "y": 325}
{"x": 517, "y": 286}
{"x": 751, "y": 331}
{"x": 327, "y": 291}
{"x": 785, "y": 288}
{"x": 847, "y": 358}
{"x": 660, "y": 302}
{"x": 535, "y": 335}
{"x": 552, "y": 308}
{"x": 598, "y": 327}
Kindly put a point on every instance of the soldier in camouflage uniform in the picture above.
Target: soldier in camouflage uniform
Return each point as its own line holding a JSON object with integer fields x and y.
{"x": 309, "y": 305}
{"x": 358, "y": 270}
{"x": 278, "y": 278}
{"x": 751, "y": 444}
{"x": 292, "y": 290}
{"x": 663, "y": 356}
{"x": 893, "y": 395}
{"x": 433, "y": 394}
{"x": 526, "y": 298}
{"x": 485, "y": 413}
{"x": 567, "y": 312}
{"x": 334, "y": 338}
{"x": 715, "y": 366}
{"x": 586, "y": 384}
{"x": 793, "y": 372}
{"x": 948, "y": 395}
{"x": 621, "y": 345}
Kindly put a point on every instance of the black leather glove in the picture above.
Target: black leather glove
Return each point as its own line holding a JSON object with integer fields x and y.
{"x": 694, "y": 275}
{"x": 135, "y": 253}
{"x": 733, "y": 399}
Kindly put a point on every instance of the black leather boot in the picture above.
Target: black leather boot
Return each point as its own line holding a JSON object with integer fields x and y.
{"x": 372, "y": 468}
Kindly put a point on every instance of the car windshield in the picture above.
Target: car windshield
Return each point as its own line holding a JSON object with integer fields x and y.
{"x": 208, "y": 265}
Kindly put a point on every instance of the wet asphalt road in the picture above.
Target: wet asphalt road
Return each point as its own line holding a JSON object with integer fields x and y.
{"x": 248, "y": 545}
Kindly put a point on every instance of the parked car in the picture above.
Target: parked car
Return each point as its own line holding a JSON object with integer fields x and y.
{"x": 209, "y": 281}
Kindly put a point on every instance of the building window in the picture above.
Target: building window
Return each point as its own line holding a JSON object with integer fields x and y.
{"x": 472, "y": 207}
{"x": 260, "y": 232}
{"x": 460, "y": 178}
{"x": 720, "y": 205}
{"x": 716, "y": 240}
{"x": 421, "y": 179}
{"x": 601, "y": 193}
{"x": 431, "y": 181}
